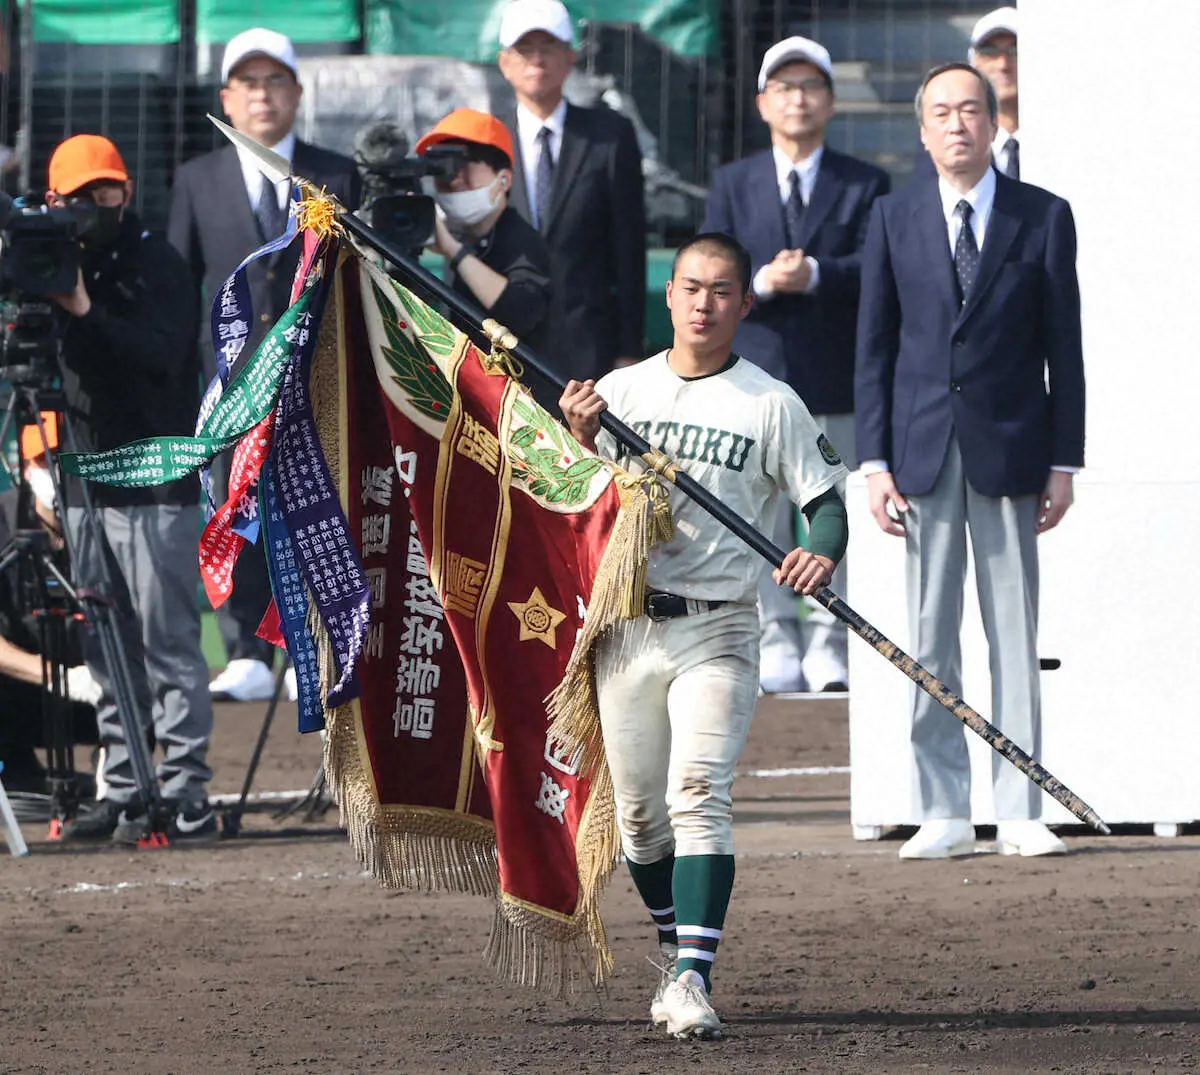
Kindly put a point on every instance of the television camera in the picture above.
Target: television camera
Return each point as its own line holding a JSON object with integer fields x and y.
{"x": 39, "y": 255}
{"x": 396, "y": 186}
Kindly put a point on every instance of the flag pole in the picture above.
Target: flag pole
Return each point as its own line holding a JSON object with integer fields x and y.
{"x": 471, "y": 318}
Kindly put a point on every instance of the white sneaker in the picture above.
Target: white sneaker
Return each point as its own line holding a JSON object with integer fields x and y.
{"x": 667, "y": 956}
{"x": 1027, "y": 838}
{"x": 244, "y": 680}
{"x": 289, "y": 682}
{"x": 688, "y": 1012}
{"x": 942, "y": 838}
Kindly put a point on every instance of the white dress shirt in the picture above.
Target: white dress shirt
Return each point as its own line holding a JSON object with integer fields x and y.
{"x": 528, "y": 128}
{"x": 807, "y": 171}
{"x": 1001, "y": 149}
{"x": 252, "y": 173}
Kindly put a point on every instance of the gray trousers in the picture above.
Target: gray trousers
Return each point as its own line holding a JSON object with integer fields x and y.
{"x": 794, "y": 629}
{"x": 1004, "y": 543}
{"x": 151, "y": 554}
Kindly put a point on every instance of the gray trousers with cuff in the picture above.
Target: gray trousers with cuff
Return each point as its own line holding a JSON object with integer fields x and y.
{"x": 151, "y": 554}
{"x": 1004, "y": 543}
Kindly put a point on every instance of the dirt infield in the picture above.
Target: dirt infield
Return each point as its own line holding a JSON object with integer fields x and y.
{"x": 272, "y": 952}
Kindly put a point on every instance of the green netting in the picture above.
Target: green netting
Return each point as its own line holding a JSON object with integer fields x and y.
{"x": 301, "y": 20}
{"x": 107, "y": 22}
{"x": 468, "y": 29}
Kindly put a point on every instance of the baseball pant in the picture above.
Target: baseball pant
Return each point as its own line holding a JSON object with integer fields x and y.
{"x": 150, "y": 552}
{"x": 676, "y": 700}
{"x": 1004, "y": 543}
{"x": 803, "y": 643}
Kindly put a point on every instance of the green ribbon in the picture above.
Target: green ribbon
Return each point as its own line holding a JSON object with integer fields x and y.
{"x": 247, "y": 400}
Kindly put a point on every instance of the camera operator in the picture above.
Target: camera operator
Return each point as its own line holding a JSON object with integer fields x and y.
{"x": 130, "y": 371}
{"x": 493, "y": 255}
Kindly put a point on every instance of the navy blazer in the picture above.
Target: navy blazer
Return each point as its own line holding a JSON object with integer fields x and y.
{"x": 805, "y": 340}
{"x": 1004, "y": 373}
{"x": 596, "y": 235}
{"x": 212, "y": 224}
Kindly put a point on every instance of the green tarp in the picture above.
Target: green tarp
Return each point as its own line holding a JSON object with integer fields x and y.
{"x": 468, "y": 29}
{"x": 106, "y": 22}
{"x": 301, "y": 20}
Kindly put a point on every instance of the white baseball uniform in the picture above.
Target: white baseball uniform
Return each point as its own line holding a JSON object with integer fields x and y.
{"x": 677, "y": 696}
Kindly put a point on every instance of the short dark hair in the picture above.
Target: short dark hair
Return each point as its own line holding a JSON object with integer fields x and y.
{"x": 989, "y": 91}
{"x": 718, "y": 244}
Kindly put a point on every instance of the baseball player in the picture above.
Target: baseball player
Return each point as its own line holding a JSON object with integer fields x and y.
{"x": 677, "y": 686}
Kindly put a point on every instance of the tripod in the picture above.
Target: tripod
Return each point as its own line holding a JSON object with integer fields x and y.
{"x": 31, "y": 398}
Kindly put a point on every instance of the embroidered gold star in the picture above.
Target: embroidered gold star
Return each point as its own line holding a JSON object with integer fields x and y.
{"x": 538, "y": 620}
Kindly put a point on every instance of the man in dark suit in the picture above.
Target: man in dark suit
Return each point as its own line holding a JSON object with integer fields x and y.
{"x": 223, "y": 208}
{"x": 970, "y": 412}
{"x": 801, "y": 209}
{"x": 577, "y": 178}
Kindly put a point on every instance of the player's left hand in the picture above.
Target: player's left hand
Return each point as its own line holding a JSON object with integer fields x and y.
{"x": 1059, "y": 495}
{"x": 78, "y": 302}
{"x": 804, "y": 572}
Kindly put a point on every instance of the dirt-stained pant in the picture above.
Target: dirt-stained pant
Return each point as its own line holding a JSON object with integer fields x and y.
{"x": 676, "y": 701}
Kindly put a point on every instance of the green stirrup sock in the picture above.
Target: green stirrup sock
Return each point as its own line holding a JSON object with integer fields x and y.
{"x": 702, "y": 887}
{"x": 653, "y": 881}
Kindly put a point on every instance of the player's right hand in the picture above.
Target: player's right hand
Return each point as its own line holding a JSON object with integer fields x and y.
{"x": 882, "y": 494}
{"x": 581, "y": 405}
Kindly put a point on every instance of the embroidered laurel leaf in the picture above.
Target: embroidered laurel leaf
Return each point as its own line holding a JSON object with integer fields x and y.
{"x": 583, "y": 468}
{"x": 435, "y": 331}
{"x": 416, "y": 374}
{"x": 525, "y": 436}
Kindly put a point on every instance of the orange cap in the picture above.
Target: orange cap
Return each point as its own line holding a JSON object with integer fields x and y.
{"x": 82, "y": 160}
{"x": 467, "y": 125}
{"x": 31, "y": 436}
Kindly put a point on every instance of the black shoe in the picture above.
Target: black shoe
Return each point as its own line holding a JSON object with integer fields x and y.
{"x": 98, "y": 822}
{"x": 131, "y": 825}
{"x": 193, "y": 823}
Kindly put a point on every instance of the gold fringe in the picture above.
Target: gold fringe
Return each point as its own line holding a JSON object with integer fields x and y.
{"x": 618, "y": 592}
{"x": 318, "y": 211}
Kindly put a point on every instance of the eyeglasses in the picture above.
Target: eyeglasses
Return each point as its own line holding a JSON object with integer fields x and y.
{"x": 273, "y": 83}
{"x": 807, "y": 88}
{"x": 995, "y": 52}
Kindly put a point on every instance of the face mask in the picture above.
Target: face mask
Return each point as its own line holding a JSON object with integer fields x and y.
{"x": 468, "y": 207}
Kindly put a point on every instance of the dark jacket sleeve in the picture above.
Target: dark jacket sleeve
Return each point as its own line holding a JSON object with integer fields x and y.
{"x": 182, "y": 225}
{"x": 159, "y": 325}
{"x": 1064, "y": 345}
{"x": 627, "y": 251}
{"x": 840, "y": 275}
{"x": 525, "y": 302}
{"x": 878, "y": 343}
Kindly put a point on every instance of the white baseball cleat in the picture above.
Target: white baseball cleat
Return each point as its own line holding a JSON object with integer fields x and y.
{"x": 1027, "y": 838}
{"x": 942, "y": 838}
{"x": 688, "y": 1011}
{"x": 244, "y": 680}
{"x": 667, "y": 955}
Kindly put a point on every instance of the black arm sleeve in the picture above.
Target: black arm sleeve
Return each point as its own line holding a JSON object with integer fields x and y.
{"x": 828, "y": 530}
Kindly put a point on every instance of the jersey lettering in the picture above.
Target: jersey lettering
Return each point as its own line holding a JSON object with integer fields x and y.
{"x": 689, "y": 441}
{"x": 735, "y": 461}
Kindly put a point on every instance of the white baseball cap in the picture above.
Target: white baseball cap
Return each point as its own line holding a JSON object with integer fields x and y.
{"x": 789, "y": 50}
{"x": 522, "y": 17}
{"x": 1001, "y": 21}
{"x": 258, "y": 41}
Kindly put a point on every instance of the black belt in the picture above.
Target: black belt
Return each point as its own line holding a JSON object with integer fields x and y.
{"x": 668, "y": 606}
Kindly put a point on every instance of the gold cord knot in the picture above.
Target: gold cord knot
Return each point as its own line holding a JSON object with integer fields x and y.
{"x": 501, "y": 359}
{"x": 318, "y": 211}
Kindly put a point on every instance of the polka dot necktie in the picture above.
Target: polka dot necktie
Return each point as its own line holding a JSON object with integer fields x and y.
{"x": 966, "y": 252}
{"x": 544, "y": 180}
{"x": 793, "y": 210}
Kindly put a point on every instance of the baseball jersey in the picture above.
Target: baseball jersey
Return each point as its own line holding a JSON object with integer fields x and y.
{"x": 740, "y": 433}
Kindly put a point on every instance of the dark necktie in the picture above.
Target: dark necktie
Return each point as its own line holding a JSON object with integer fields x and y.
{"x": 272, "y": 220}
{"x": 545, "y": 180}
{"x": 793, "y": 210}
{"x": 1012, "y": 167}
{"x": 966, "y": 252}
